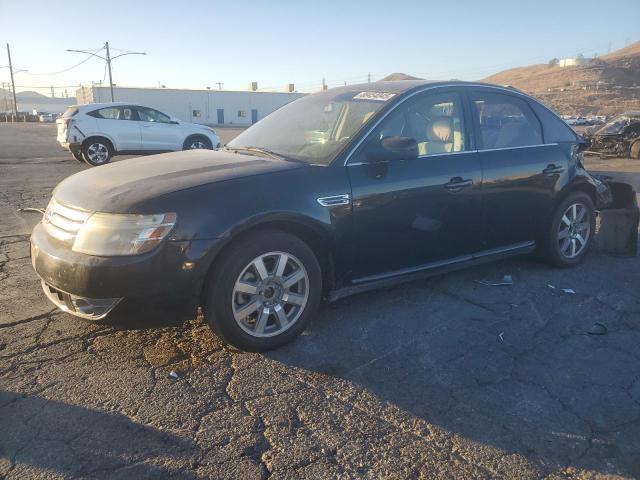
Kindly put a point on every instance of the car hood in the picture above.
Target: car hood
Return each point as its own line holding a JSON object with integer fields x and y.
{"x": 197, "y": 126}
{"x": 119, "y": 187}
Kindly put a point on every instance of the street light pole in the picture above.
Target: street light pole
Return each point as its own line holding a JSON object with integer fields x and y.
{"x": 106, "y": 45}
{"x": 108, "y": 58}
{"x": 13, "y": 85}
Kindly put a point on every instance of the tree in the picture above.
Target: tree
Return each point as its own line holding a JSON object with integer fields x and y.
{"x": 553, "y": 61}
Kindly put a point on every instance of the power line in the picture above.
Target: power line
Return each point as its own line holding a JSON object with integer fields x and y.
{"x": 67, "y": 69}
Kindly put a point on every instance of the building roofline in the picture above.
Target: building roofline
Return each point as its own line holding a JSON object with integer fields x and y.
{"x": 189, "y": 90}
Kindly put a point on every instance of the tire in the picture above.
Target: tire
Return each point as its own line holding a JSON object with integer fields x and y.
{"x": 275, "y": 313}
{"x": 77, "y": 154}
{"x": 578, "y": 210}
{"x": 97, "y": 151}
{"x": 197, "y": 142}
{"x": 634, "y": 151}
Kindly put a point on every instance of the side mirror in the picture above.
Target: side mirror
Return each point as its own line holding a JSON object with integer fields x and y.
{"x": 584, "y": 143}
{"x": 393, "y": 148}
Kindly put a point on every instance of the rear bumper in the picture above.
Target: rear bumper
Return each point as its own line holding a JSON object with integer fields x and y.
{"x": 92, "y": 286}
{"x": 70, "y": 146}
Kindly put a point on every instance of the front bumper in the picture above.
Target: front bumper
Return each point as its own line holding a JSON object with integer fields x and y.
{"x": 90, "y": 286}
{"x": 89, "y": 308}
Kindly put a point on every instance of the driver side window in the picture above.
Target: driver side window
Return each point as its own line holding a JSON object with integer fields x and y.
{"x": 434, "y": 120}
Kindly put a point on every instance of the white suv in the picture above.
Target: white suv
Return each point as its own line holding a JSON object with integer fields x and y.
{"x": 95, "y": 132}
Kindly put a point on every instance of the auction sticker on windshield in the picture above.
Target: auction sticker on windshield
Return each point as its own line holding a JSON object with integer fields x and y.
{"x": 377, "y": 96}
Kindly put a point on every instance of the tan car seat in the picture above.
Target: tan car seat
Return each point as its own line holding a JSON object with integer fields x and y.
{"x": 440, "y": 137}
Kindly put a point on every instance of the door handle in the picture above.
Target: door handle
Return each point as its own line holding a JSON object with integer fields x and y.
{"x": 552, "y": 169}
{"x": 146, "y": 126}
{"x": 457, "y": 183}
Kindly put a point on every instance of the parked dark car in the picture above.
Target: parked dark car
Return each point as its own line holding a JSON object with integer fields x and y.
{"x": 620, "y": 136}
{"x": 335, "y": 193}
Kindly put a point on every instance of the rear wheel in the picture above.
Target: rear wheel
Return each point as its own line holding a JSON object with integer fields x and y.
{"x": 571, "y": 231}
{"x": 263, "y": 291}
{"x": 97, "y": 151}
{"x": 197, "y": 142}
{"x": 77, "y": 154}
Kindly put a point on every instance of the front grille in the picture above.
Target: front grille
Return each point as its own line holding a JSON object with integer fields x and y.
{"x": 63, "y": 222}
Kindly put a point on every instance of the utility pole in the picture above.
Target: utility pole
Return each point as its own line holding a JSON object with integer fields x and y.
{"x": 13, "y": 85}
{"x": 368, "y": 78}
{"x": 53, "y": 92}
{"x": 107, "y": 59}
{"x": 220, "y": 84}
{"x": 106, "y": 45}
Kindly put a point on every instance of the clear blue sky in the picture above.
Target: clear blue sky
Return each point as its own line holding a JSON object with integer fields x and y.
{"x": 194, "y": 44}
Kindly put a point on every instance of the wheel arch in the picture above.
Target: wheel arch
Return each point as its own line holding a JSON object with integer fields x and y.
{"x": 306, "y": 230}
{"x": 114, "y": 150}
{"x": 582, "y": 186}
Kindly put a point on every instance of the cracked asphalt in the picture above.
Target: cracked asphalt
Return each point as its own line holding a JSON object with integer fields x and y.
{"x": 444, "y": 378}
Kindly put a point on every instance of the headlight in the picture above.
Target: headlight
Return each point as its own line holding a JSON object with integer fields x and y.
{"x": 108, "y": 234}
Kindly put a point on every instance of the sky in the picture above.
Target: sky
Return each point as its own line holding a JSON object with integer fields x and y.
{"x": 194, "y": 44}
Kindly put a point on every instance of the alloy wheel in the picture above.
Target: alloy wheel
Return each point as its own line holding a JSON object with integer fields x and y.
{"x": 574, "y": 230}
{"x": 197, "y": 145}
{"x": 270, "y": 294}
{"x": 98, "y": 153}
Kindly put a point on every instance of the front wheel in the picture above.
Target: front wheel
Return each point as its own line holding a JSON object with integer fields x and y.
{"x": 197, "y": 142}
{"x": 571, "y": 232}
{"x": 264, "y": 291}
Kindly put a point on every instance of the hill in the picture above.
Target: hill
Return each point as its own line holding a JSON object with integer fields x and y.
{"x": 608, "y": 84}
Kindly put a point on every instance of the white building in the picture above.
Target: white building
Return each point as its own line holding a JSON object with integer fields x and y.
{"x": 214, "y": 107}
{"x": 574, "y": 62}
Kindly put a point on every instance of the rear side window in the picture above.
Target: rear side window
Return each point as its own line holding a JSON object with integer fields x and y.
{"x": 505, "y": 121}
{"x": 109, "y": 113}
{"x": 70, "y": 112}
{"x": 554, "y": 128}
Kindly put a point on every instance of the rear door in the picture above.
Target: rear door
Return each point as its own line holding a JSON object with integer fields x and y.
{"x": 522, "y": 173}
{"x": 158, "y": 132}
{"x": 411, "y": 214}
{"x": 118, "y": 123}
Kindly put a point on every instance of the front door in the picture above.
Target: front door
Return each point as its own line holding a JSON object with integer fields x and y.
{"x": 220, "y": 116}
{"x": 410, "y": 214}
{"x": 521, "y": 173}
{"x": 158, "y": 132}
{"x": 254, "y": 115}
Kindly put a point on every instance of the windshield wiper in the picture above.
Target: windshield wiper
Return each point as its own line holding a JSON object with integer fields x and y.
{"x": 264, "y": 151}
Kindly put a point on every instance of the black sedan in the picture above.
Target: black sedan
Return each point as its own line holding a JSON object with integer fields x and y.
{"x": 333, "y": 194}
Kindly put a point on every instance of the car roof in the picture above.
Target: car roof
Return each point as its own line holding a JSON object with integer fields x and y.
{"x": 107, "y": 104}
{"x": 404, "y": 86}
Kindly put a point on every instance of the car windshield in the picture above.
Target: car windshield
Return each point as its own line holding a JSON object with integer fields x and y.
{"x": 314, "y": 128}
{"x": 615, "y": 125}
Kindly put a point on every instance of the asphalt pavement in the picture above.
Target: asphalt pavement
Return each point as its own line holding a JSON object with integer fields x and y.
{"x": 443, "y": 378}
